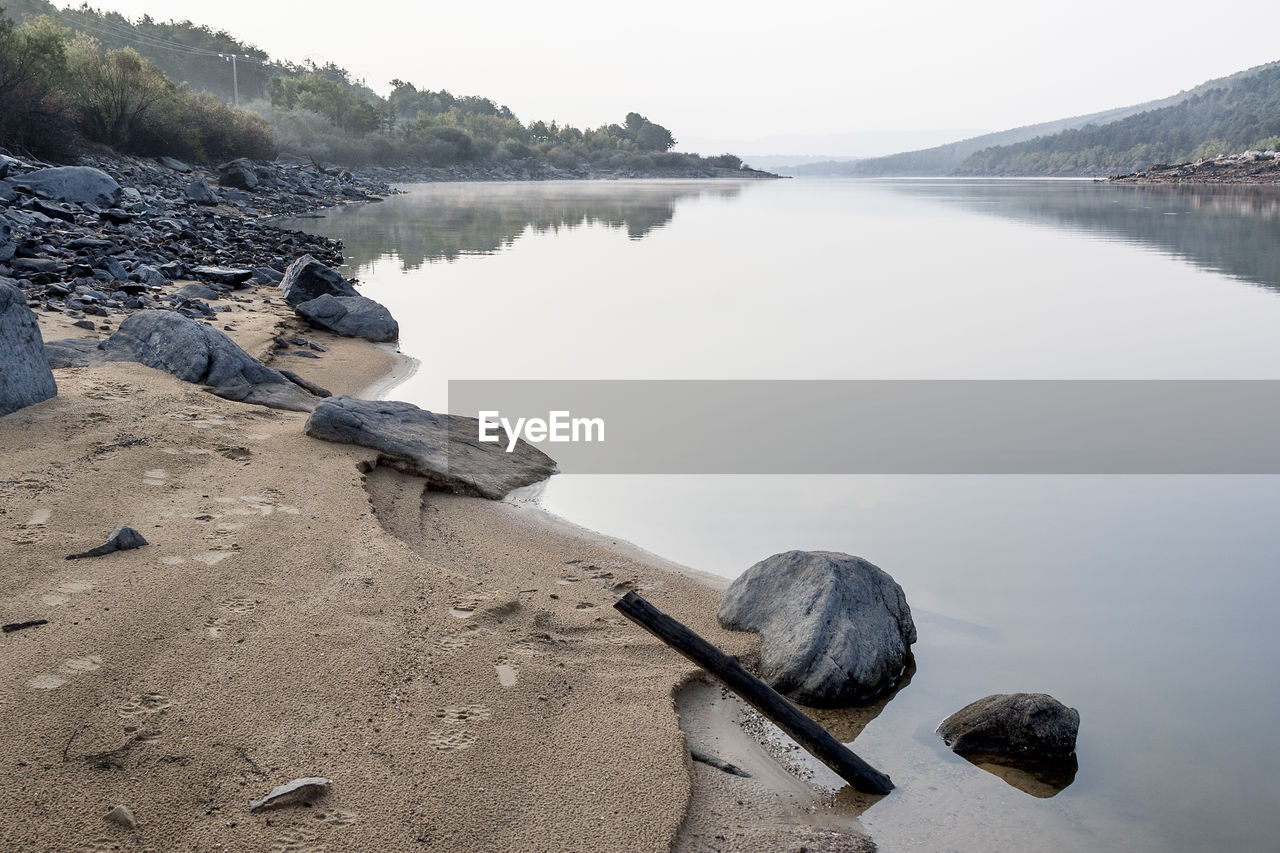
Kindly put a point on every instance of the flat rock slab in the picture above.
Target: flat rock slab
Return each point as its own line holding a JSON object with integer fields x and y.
{"x": 25, "y": 376}
{"x": 298, "y": 791}
{"x": 445, "y": 449}
{"x": 836, "y": 630}
{"x": 78, "y": 184}
{"x": 222, "y": 275}
{"x": 350, "y": 316}
{"x": 1020, "y": 725}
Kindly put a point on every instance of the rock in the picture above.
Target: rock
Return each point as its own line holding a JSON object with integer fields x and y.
{"x": 121, "y": 539}
{"x": 239, "y": 174}
{"x": 122, "y": 816}
{"x": 79, "y": 184}
{"x": 350, "y": 316}
{"x": 307, "y": 279}
{"x": 53, "y": 210}
{"x": 305, "y": 384}
{"x": 194, "y": 290}
{"x": 298, "y": 791}
{"x": 442, "y": 448}
{"x": 25, "y": 377}
{"x": 174, "y": 164}
{"x": 200, "y": 192}
{"x": 84, "y": 324}
{"x": 148, "y": 275}
{"x": 222, "y": 275}
{"x": 193, "y": 352}
{"x": 835, "y": 628}
{"x": 1021, "y": 725}
{"x": 73, "y": 352}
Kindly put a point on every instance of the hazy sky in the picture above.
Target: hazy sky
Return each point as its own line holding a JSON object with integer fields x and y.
{"x": 739, "y": 71}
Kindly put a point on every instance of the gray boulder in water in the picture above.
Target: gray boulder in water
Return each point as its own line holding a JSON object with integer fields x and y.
{"x": 442, "y": 448}
{"x": 1018, "y": 725}
{"x": 350, "y": 316}
{"x": 25, "y": 377}
{"x": 307, "y": 279}
{"x": 78, "y": 184}
{"x": 835, "y": 629}
{"x": 193, "y": 352}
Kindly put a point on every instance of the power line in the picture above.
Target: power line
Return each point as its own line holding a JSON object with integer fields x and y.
{"x": 130, "y": 34}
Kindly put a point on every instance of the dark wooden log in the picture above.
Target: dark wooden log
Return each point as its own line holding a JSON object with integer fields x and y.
{"x": 786, "y": 716}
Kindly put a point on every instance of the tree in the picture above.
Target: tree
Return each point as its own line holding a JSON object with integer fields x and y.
{"x": 114, "y": 91}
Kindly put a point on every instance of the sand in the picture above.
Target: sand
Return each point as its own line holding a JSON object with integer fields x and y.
{"x": 452, "y": 665}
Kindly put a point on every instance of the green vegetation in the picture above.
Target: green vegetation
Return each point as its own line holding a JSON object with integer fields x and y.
{"x": 1223, "y": 120}
{"x": 99, "y": 76}
{"x": 57, "y": 87}
{"x": 1221, "y": 116}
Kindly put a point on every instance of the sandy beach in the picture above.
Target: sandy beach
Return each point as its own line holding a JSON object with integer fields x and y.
{"x": 452, "y": 664}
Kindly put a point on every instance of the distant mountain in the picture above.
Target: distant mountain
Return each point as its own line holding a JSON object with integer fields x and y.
{"x": 1031, "y": 150}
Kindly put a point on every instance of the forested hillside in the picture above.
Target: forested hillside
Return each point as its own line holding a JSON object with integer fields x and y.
{"x": 1212, "y": 121}
{"x": 1221, "y": 120}
{"x": 150, "y": 88}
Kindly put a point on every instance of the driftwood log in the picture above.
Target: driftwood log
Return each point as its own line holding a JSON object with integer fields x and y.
{"x": 786, "y": 716}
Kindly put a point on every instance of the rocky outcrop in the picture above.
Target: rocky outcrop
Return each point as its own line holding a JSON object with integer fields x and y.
{"x": 307, "y": 279}
{"x": 77, "y": 184}
{"x": 442, "y": 448}
{"x": 193, "y": 352}
{"x": 350, "y": 316}
{"x": 25, "y": 377}
{"x": 835, "y": 629}
{"x": 1019, "y": 725}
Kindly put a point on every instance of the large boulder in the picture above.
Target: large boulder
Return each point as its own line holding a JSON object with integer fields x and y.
{"x": 835, "y": 629}
{"x": 307, "y": 279}
{"x": 238, "y": 174}
{"x": 350, "y": 316}
{"x": 193, "y": 352}
{"x": 442, "y": 448}
{"x": 1019, "y": 725}
{"x": 25, "y": 377}
{"x": 78, "y": 184}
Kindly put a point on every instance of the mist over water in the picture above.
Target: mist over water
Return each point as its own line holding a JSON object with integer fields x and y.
{"x": 1145, "y": 602}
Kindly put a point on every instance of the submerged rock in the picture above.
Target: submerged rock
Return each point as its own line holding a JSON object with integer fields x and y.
{"x": 25, "y": 377}
{"x": 1025, "y": 725}
{"x": 835, "y": 628}
{"x": 442, "y": 448}
{"x": 350, "y": 316}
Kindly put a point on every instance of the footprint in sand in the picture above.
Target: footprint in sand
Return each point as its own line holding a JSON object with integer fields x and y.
{"x": 506, "y": 674}
{"x": 240, "y": 605}
{"x": 451, "y": 741}
{"x": 143, "y": 704}
{"x": 215, "y": 626}
{"x": 458, "y": 640}
{"x": 463, "y": 608}
{"x": 212, "y": 558}
{"x": 70, "y": 668}
{"x": 154, "y": 477}
{"x": 38, "y": 518}
{"x": 463, "y": 713}
{"x": 335, "y": 817}
{"x": 63, "y": 593}
{"x": 76, "y": 666}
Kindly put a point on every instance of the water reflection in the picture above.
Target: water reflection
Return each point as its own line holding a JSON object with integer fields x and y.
{"x": 1041, "y": 778}
{"x": 446, "y": 221}
{"x": 1226, "y": 229}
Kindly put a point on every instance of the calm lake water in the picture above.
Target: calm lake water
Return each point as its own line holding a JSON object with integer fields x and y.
{"x": 1148, "y": 603}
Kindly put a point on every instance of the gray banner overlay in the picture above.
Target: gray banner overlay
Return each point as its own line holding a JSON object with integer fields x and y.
{"x": 893, "y": 427}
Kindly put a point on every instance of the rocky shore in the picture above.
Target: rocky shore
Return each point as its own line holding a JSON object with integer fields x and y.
{"x": 1261, "y": 168}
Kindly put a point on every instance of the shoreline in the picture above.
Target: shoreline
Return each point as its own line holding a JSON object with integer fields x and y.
{"x": 454, "y": 665}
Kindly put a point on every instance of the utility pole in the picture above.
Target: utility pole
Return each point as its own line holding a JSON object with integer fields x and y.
{"x": 235, "y": 78}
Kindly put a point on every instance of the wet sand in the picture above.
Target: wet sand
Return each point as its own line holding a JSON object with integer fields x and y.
{"x": 453, "y": 665}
